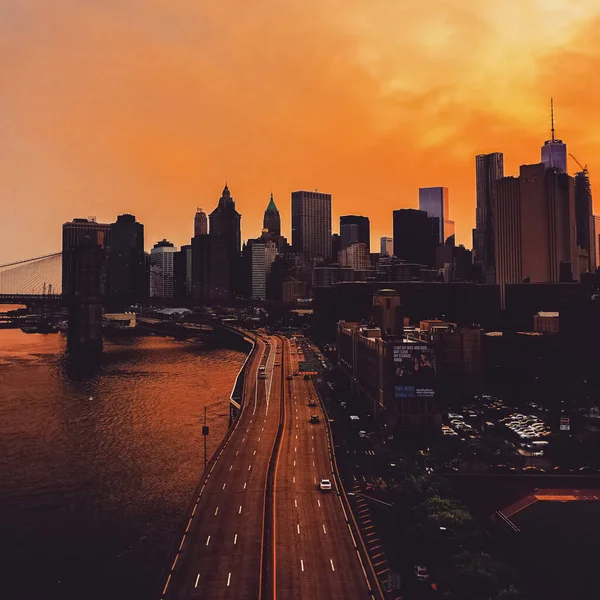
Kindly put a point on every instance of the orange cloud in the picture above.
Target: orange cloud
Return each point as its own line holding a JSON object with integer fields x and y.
{"x": 145, "y": 106}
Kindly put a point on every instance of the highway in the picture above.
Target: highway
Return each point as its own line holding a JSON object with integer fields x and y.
{"x": 316, "y": 556}
{"x": 221, "y": 550}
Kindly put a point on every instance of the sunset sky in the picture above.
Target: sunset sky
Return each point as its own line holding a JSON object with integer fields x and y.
{"x": 145, "y": 106}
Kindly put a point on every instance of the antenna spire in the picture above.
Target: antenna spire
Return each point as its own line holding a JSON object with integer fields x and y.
{"x": 552, "y": 116}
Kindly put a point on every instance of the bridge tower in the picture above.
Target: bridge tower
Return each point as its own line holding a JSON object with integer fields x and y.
{"x": 85, "y": 299}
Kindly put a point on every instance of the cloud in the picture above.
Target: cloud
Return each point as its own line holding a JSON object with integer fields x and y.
{"x": 146, "y": 106}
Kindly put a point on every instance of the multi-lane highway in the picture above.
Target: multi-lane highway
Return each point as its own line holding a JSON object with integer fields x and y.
{"x": 220, "y": 553}
{"x": 252, "y": 535}
{"x": 315, "y": 548}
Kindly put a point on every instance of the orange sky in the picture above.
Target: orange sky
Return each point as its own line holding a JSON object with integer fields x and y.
{"x": 143, "y": 106}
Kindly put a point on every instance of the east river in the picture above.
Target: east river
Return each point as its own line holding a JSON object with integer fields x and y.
{"x": 97, "y": 468}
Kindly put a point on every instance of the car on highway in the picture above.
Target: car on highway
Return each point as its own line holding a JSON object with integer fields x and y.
{"x": 312, "y": 403}
{"x": 307, "y": 377}
{"x": 289, "y": 377}
{"x": 362, "y": 434}
{"x": 314, "y": 418}
{"x": 277, "y": 364}
{"x": 325, "y": 485}
{"x": 421, "y": 573}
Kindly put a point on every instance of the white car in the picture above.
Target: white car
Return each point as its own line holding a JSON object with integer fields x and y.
{"x": 325, "y": 485}
{"x": 421, "y": 573}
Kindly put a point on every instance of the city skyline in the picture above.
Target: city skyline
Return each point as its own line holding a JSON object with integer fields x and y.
{"x": 130, "y": 126}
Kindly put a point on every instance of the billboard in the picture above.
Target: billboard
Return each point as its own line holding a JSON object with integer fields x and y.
{"x": 414, "y": 370}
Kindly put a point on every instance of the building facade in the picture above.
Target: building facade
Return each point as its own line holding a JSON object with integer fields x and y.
{"x": 386, "y": 246}
{"x": 356, "y": 256}
{"x": 311, "y": 225}
{"x": 80, "y": 232}
{"x": 200, "y": 264}
{"x": 272, "y": 220}
{"x": 435, "y": 202}
{"x": 583, "y": 216}
{"x": 200, "y": 222}
{"x": 225, "y": 245}
{"x": 161, "y": 269}
{"x": 596, "y": 241}
{"x": 416, "y": 236}
{"x": 127, "y": 282}
{"x": 355, "y": 229}
{"x": 488, "y": 169}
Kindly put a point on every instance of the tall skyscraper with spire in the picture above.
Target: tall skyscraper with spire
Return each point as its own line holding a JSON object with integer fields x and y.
{"x": 554, "y": 152}
{"x": 225, "y": 243}
{"x": 200, "y": 222}
{"x": 272, "y": 220}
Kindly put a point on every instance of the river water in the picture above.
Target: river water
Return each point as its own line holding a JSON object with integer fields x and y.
{"x": 97, "y": 469}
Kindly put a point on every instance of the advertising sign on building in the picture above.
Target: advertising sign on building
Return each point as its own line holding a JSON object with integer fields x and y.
{"x": 414, "y": 371}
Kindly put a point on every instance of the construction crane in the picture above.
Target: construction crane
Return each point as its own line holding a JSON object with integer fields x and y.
{"x": 584, "y": 169}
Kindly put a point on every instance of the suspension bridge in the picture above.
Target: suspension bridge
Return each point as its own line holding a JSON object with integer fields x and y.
{"x": 31, "y": 279}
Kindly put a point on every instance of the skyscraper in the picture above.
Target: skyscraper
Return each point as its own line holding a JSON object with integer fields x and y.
{"x": 416, "y": 236}
{"x": 387, "y": 246}
{"x": 200, "y": 267}
{"x": 554, "y": 152}
{"x": 535, "y": 226}
{"x": 200, "y": 222}
{"x": 161, "y": 269}
{"x": 596, "y": 242}
{"x": 182, "y": 272}
{"x": 272, "y": 220}
{"x": 583, "y": 216}
{"x": 79, "y": 232}
{"x": 311, "y": 224}
{"x": 225, "y": 242}
{"x": 127, "y": 282}
{"x": 353, "y": 229}
{"x": 434, "y": 201}
{"x": 488, "y": 168}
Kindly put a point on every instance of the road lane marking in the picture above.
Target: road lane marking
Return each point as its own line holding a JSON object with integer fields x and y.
{"x": 247, "y": 430}
{"x": 231, "y": 467}
{"x": 216, "y": 511}
{"x": 249, "y": 467}
{"x": 175, "y": 562}
{"x": 197, "y": 578}
{"x": 245, "y": 484}
{"x": 194, "y": 510}
{"x": 167, "y": 584}
{"x": 295, "y": 448}
{"x": 294, "y": 463}
{"x": 243, "y": 439}
{"x": 294, "y": 479}
{"x": 254, "y": 453}
{"x": 313, "y": 463}
{"x": 315, "y": 479}
{"x": 259, "y": 439}
{"x": 324, "y": 530}
{"x": 298, "y": 528}
{"x": 262, "y": 429}
{"x": 295, "y": 503}
{"x": 228, "y": 579}
{"x": 332, "y": 567}
{"x": 188, "y": 525}
{"x": 224, "y": 485}
{"x": 235, "y": 539}
{"x": 302, "y": 565}
{"x": 237, "y": 452}
{"x": 240, "y": 511}
{"x": 208, "y": 540}
{"x": 319, "y": 502}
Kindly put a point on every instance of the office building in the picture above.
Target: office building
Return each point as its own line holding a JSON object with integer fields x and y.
{"x": 355, "y": 229}
{"x": 127, "y": 283}
{"x": 386, "y": 246}
{"x": 311, "y": 225}
{"x": 79, "y": 232}
{"x": 583, "y": 216}
{"x": 272, "y": 220}
{"x": 554, "y": 152}
{"x": 182, "y": 272}
{"x": 259, "y": 271}
{"x": 488, "y": 168}
{"x": 434, "y": 201}
{"x": 225, "y": 242}
{"x": 356, "y": 256}
{"x": 200, "y": 222}
{"x": 596, "y": 242}
{"x": 416, "y": 236}
{"x": 161, "y": 269}
{"x": 200, "y": 267}
{"x": 534, "y": 227}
